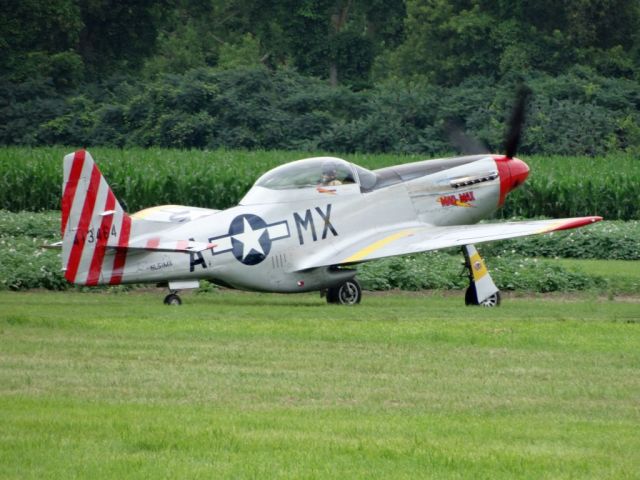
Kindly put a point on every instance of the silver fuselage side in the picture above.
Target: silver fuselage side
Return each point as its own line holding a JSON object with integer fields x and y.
{"x": 291, "y": 225}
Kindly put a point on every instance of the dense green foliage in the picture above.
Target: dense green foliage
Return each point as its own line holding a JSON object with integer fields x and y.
{"x": 450, "y": 40}
{"x": 339, "y": 75}
{"x": 442, "y": 271}
{"x": 579, "y": 112}
{"x": 245, "y": 386}
{"x": 605, "y": 240}
{"x": 557, "y": 186}
{"x": 576, "y": 186}
{"x": 24, "y": 264}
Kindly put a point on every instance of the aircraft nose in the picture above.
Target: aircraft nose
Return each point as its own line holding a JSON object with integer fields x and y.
{"x": 519, "y": 172}
{"x": 513, "y": 173}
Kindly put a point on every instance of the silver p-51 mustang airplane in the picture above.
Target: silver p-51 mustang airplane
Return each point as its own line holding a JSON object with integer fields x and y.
{"x": 302, "y": 227}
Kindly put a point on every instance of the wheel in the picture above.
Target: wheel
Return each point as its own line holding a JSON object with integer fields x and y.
{"x": 470, "y": 295}
{"x": 332, "y": 295}
{"x": 470, "y": 298}
{"x": 172, "y": 299}
{"x": 347, "y": 293}
{"x": 492, "y": 301}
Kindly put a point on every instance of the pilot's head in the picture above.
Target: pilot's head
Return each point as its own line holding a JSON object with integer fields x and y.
{"x": 329, "y": 171}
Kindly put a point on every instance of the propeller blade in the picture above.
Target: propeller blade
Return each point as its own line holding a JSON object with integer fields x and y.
{"x": 464, "y": 143}
{"x": 516, "y": 121}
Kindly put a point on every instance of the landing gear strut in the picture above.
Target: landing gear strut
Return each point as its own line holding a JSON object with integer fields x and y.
{"x": 482, "y": 291}
{"x": 347, "y": 293}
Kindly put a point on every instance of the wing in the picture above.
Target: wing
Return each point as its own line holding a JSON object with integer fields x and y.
{"x": 421, "y": 238}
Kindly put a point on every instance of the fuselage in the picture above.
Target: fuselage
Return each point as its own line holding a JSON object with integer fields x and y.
{"x": 261, "y": 243}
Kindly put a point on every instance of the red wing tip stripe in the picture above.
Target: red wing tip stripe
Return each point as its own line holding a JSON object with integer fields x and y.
{"x": 576, "y": 222}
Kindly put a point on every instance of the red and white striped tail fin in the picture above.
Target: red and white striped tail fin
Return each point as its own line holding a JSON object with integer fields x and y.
{"x": 93, "y": 222}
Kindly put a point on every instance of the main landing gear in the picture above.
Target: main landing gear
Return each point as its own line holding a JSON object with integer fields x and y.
{"x": 347, "y": 293}
{"x": 470, "y": 298}
{"x": 482, "y": 291}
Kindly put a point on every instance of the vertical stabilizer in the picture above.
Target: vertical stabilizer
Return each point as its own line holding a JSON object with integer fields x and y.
{"x": 95, "y": 229}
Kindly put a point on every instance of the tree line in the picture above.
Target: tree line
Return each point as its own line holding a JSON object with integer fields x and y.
{"x": 339, "y": 75}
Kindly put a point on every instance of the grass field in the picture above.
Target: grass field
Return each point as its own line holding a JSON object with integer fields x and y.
{"x": 234, "y": 385}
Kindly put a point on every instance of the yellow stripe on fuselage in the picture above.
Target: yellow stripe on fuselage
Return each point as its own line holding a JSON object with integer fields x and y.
{"x": 377, "y": 246}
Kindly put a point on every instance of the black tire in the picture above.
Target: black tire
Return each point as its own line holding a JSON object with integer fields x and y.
{"x": 172, "y": 299}
{"x": 332, "y": 295}
{"x": 470, "y": 298}
{"x": 493, "y": 301}
{"x": 347, "y": 293}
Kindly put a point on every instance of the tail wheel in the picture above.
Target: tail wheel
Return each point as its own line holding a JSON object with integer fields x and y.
{"x": 347, "y": 293}
{"x": 172, "y": 299}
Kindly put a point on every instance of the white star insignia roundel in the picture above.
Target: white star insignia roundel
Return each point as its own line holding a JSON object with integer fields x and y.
{"x": 250, "y": 238}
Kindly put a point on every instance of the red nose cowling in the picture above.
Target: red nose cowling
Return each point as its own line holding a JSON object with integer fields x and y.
{"x": 513, "y": 172}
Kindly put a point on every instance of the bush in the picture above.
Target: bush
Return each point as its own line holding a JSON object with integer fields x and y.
{"x": 579, "y": 113}
{"x": 440, "y": 270}
{"x": 604, "y": 240}
{"x": 43, "y": 225}
{"x": 24, "y": 265}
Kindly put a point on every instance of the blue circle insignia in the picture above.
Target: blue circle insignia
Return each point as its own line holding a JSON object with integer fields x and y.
{"x": 249, "y": 239}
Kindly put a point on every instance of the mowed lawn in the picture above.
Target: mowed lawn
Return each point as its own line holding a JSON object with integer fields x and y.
{"x": 235, "y": 385}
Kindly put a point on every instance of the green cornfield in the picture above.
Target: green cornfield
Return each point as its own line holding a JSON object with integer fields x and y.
{"x": 557, "y": 186}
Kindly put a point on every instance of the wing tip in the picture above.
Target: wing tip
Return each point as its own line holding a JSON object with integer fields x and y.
{"x": 576, "y": 223}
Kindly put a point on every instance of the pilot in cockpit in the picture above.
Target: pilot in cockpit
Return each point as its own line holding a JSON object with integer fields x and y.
{"x": 329, "y": 174}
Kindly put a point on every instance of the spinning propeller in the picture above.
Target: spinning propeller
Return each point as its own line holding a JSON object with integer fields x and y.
{"x": 512, "y": 171}
{"x": 516, "y": 121}
{"x": 469, "y": 145}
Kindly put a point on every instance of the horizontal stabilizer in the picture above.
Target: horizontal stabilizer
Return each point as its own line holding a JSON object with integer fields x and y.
{"x": 173, "y": 213}
{"x": 159, "y": 245}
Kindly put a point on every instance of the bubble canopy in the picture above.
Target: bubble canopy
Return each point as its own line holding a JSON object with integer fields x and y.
{"x": 295, "y": 179}
{"x": 306, "y": 173}
{"x": 312, "y": 172}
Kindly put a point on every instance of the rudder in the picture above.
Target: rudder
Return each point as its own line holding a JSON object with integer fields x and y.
{"x": 92, "y": 222}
